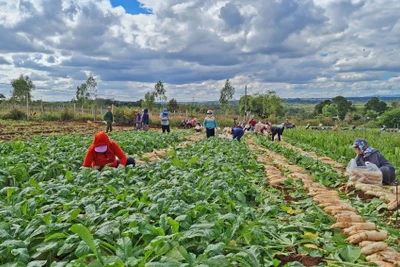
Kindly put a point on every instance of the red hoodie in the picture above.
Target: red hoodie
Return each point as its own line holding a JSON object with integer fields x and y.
{"x": 94, "y": 158}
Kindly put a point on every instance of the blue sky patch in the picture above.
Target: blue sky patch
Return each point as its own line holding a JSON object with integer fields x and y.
{"x": 131, "y": 6}
{"x": 386, "y": 76}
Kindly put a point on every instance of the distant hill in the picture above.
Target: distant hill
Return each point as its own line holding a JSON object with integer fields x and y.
{"x": 353, "y": 99}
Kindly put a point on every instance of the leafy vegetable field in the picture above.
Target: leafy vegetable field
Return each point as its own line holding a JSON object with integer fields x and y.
{"x": 207, "y": 204}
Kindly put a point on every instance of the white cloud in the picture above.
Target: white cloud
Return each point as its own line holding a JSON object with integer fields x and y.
{"x": 300, "y": 48}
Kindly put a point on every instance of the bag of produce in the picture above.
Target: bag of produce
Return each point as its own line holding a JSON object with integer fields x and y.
{"x": 368, "y": 174}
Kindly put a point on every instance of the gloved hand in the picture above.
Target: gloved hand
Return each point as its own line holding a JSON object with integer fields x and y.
{"x": 121, "y": 166}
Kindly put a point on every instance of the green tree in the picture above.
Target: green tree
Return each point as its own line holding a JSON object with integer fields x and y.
{"x": 149, "y": 100}
{"x": 391, "y": 118}
{"x": 86, "y": 91}
{"x": 330, "y": 110}
{"x": 22, "y": 88}
{"x": 395, "y": 104}
{"x": 241, "y": 104}
{"x": 2, "y": 98}
{"x": 272, "y": 105}
{"x": 160, "y": 91}
{"x": 343, "y": 106}
{"x": 376, "y": 105}
{"x": 226, "y": 94}
{"x": 173, "y": 105}
{"x": 318, "y": 108}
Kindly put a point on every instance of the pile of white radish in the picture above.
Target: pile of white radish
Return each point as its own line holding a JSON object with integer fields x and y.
{"x": 388, "y": 194}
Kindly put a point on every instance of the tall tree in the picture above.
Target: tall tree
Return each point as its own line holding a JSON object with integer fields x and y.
{"x": 343, "y": 106}
{"x": 330, "y": 110}
{"x": 86, "y": 90}
{"x": 227, "y": 93}
{"x": 160, "y": 91}
{"x": 22, "y": 88}
{"x": 273, "y": 105}
{"x": 173, "y": 105}
{"x": 149, "y": 100}
{"x": 318, "y": 108}
{"x": 2, "y": 98}
{"x": 376, "y": 105}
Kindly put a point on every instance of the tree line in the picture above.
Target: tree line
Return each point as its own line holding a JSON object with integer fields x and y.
{"x": 265, "y": 106}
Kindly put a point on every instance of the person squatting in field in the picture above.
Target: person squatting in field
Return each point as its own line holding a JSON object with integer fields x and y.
{"x": 108, "y": 117}
{"x": 165, "y": 121}
{"x": 275, "y": 130}
{"x": 210, "y": 124}
{"x": 145, "y": 120}
{"x": 104, "y": 151}
{"x": 366, "y": 153}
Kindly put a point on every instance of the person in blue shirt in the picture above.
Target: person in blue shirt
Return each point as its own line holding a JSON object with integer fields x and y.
{"x": 165, "y": 121}
{"x": 237, "y": 133}
{"x": 210, "y": 124}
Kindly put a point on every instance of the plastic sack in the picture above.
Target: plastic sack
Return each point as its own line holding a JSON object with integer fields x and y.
{"x": 368, "y": 174}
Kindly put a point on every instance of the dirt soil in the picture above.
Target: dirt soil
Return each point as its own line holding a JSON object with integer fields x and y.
{"x": 303, "y": 259}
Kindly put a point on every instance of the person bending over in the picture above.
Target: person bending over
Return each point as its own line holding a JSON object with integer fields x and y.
{"x": 104, "y": 151}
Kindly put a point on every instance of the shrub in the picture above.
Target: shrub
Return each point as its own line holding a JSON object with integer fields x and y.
{"x": 66, "y": 115}
{"x": 15, "y": 114}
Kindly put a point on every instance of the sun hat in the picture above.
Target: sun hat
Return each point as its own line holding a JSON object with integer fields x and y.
{"x": 101, "y": 149}
{"x": 209, "y": 111}
{"x": 362, "y": 144}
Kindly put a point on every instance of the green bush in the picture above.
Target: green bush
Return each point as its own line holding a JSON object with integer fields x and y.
{"x": 391, "y": 118}
{"x": 66, "y": 115}
{"x": 14, "y": 114}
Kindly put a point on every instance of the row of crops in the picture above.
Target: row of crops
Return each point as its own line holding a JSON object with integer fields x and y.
{"x": 208, "y": 204}
{"x": 336, "y": 144}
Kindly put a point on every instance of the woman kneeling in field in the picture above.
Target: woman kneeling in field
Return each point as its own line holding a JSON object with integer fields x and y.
{"x": 104, "y": 151}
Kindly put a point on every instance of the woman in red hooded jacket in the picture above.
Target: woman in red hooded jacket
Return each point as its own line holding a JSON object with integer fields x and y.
{"x": 104, "y": 151}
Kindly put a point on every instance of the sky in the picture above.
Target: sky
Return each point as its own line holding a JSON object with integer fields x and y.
{"x": 297, "y": 48}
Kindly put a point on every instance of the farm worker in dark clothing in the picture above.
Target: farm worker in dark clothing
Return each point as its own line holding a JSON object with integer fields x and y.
{"x": 210, "y": 124}
{"x": 237, "y": 133}
{"x": 275, "y": 130}
{"x": 104, "y": 152}
{"x": 146, "y": 120}
{"x": 108, "y": 117}
{"x": 365, "y": 153}
{"x": 165, "y": 121}
{"x": 138, "y": 120}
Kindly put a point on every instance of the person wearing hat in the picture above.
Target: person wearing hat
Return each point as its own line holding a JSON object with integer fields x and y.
{"x": 252, "y": 122}
{"x": 108, "y": 117}
{"x": 165, "y": 120}
{"x": 366, "y": 153}
{"x": 145, "y": 119}
{"x": 104, "y": 151}
{"x": 210, "y": 124}
{"x": 138, "y": 120}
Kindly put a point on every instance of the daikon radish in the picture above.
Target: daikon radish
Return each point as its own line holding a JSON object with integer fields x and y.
{"x": 364, "y": 243}
{"x": 368, "y": 235}
{"x": 342, "y": 225}
{"x": 350, "y": 218}
{"x": 373, "y": 248}
{"x": 361, "y": 226}
{"x": 393, "y": 205}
